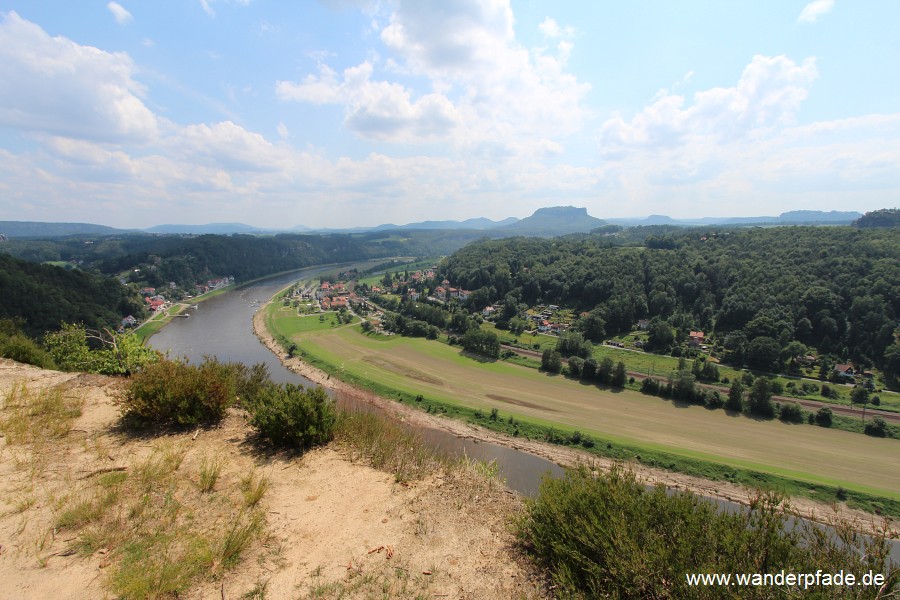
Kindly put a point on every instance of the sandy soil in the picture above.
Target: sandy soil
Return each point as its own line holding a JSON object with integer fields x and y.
{"x": 562, "y": 455}
{"x": 334, "y": 528}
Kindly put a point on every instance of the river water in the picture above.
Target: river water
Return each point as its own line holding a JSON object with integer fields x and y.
{"x": 222, "y": 327}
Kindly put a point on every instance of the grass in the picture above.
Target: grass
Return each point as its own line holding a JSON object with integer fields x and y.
{"x": 384, "y": 444}
{"x": 28, "y": 417}
{"x": 160, "y": 531}
{"x": 210, "y": 469}
{"x": 806, "y": 460}
{"x": 660, "y": 365}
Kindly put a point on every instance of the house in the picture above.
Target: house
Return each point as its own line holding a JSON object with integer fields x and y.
{"x": 412, "y": 294}
{"x": 643, "y": 324}
{"x": 695, "y": 338}
{"x": 488, "y": 311}
{"x": 844, "y": 371}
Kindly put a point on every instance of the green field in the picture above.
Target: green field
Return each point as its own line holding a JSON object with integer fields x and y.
{"x": 660, "y": 365}
{"x": 443, "y": 373}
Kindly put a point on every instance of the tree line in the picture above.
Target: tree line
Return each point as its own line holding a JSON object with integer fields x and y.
{"x": 766, "y": 296}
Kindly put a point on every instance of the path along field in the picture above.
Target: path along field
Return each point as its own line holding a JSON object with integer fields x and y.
{"x": 444, "y": 373}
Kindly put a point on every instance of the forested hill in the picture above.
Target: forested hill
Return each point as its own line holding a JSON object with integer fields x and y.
{"x": 186, "y": 260}
{"x": 836, "y": 289}
{"x": 44, "y": 296}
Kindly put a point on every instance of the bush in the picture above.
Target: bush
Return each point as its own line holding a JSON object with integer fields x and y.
{"x": 177, "y": 393}
{"x": 824, "y": 416}
{"x": 791, "y": 413}
{"x": 290, "y": 416}
{"x": 25, "y": 350}
{"x": 610, "y": 536}
{"x": 877, "y": 427}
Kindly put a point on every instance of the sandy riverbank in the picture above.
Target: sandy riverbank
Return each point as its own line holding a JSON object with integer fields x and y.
{"x": 560, "y": 455}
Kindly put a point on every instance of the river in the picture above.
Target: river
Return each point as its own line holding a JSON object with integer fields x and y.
{"x": 222, "y": 327}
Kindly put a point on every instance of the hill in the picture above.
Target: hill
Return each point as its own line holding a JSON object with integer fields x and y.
{"x": 45, "y": 295}
{"x": 39, "y": 229}
{"x": 126, "y": 515}
{"x": 551, "y": 222}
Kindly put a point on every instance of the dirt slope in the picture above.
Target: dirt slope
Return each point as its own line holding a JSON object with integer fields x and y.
{"x": 333, "y": 528}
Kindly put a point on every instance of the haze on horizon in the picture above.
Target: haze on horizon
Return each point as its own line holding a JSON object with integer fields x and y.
{"x": 348, "y": 113}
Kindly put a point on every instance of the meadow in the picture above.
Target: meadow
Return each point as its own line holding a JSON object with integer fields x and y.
{"x": 445, "y": 374}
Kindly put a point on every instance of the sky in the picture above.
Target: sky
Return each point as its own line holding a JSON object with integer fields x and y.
{"x": 344, "y": 113}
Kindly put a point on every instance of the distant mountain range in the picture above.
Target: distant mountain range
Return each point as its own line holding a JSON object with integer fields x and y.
{"x": 545, "y": 222}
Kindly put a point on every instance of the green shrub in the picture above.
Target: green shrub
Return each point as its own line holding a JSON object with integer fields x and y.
{"x": 290, "y": 416}
{"x": 25, "y": 350}
{"x": 609, "y": 536}
{"x": 791, "y": 413}
{"x": 824, "y": 416}
{"x": 172, "y": 392}
{"x": 877, "y": 427}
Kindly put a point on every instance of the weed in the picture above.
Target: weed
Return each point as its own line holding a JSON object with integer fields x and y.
{"x": 238, "y": 538}
{"x": 29, "y": 417}
{"x": 385, "y": 444}
{"x": 254, "y": 488}
{"x": 210, "y": 469}
{"x": 257, "y": 592}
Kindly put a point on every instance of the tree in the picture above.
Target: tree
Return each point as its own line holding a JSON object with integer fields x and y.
{"x": 604, "y": 370}
{"x": 859, "y": 395}
{"x": 551, "y": 361}
{"x": 573, "y": 344}
{"x": 660, "y": 335}
{"x": 735, "y": 396}
{"x": 891, "y": 364}
{"x": 576, "y": 366}
{"x": 759, "y": 400}
{"x": 764, "y": 353}
{"x": 482, "y": 342}
{"x": 592, "y": 325}
{"x": 619, "y": 376}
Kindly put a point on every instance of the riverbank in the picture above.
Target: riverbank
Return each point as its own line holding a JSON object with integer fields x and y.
{"x": 565, "y": 456}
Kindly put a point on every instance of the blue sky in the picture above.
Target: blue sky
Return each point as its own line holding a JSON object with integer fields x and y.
{"x": 351, "y": 113}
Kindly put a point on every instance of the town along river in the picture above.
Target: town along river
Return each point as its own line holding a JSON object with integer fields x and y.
{"x": 222, "y": 327}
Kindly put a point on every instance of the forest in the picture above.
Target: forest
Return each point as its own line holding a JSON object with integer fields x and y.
{"x": 763, "y": 294}
{"x": 43, "y": 296}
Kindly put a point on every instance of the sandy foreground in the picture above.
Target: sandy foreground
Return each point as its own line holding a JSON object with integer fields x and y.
{"x": 333, "y": 528}
{"x": 562, "y": 455}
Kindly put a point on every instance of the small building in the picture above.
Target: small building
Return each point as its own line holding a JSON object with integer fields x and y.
{"x": 844, "y": 371}
{"x": 695, "y": 338}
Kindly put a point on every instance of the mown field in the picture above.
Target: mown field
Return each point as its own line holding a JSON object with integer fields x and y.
{"x": 444, "y": 373}
{"x": 659, "y": 365}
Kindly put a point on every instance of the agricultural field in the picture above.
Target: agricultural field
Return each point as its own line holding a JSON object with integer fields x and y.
{"x": 660, "y": 365}
{"x": 446, "y": 374}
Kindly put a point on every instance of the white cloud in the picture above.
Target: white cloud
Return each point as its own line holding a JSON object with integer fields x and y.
{"x": 768, "y": 94}
{"x": 551, "y": 29}
{"x": 55, "y": 86}
{"x": 375, "y": 109}
{"x": 815, "y": 10}
{"x": 485, "y": 89}
{"x": 122, "y": 16}
{"x": 283, "y": 132}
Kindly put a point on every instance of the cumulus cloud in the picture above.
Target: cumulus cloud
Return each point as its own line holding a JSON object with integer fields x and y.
{"x": 375, "y": 109}
{"x": 485, "y": 87}
{"x": 53, "y": 85}
{"x": 815, "y": 10}
{"x": 122, "y": 16}
{"x": 551, "y": 29}
{"x": 769, "y": 93}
